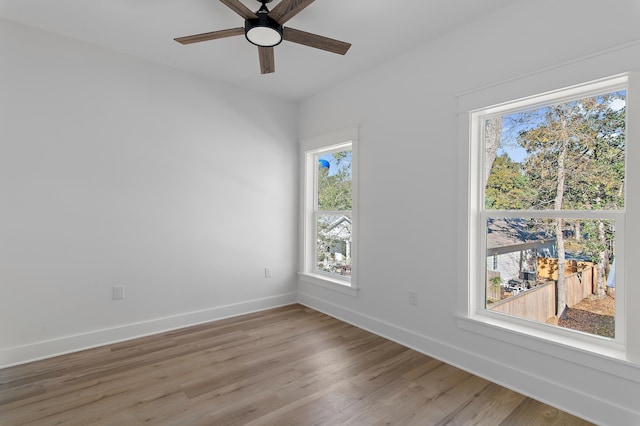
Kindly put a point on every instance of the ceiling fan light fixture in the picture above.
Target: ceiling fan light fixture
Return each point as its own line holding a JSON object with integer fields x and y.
{"x": 263, "y": 31}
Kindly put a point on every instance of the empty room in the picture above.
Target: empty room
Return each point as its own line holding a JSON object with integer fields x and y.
{"x": 298, "y": 212}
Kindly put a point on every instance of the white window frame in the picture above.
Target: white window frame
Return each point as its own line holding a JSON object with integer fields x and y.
{"x": 310, "y": 148}
{"x": 472, "y": 315}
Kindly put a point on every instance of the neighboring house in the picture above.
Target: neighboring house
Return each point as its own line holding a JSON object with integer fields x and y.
{"x": 513, "y": 250}
{"x": 335, "y": 238}
{"x": 335, "y": 242}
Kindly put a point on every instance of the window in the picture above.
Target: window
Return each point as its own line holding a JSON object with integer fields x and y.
{"x": 548, "y": 212}
{"x": 329, "y": 207}
{"x": 552, "y": 200}
{"x": 332, "y": 211}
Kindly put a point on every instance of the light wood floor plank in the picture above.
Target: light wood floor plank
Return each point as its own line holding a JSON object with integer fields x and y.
{"x": 285, "y": 366}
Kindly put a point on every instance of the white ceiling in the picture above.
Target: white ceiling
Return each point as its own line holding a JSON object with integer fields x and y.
{"x": 378, "y": 31}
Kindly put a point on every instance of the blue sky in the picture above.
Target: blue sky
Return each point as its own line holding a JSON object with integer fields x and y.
{"x": 515, "y": 152}
{"x": 511, "y": 128}
{"x": 333, "y": 168}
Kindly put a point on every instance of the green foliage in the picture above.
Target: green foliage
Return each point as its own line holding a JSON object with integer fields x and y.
{"x": 334, "y": 189}
{"x": 594, "y": 137}
{"x": 507, "y": 187}
{"x": 591, "y": 244}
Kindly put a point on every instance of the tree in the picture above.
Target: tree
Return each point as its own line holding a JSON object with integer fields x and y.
{"x": 492, "y": 137}
{"x": 334, "y": 188}
{"x": 606, "y": 147}
{"x": 576, "y": 162}
{"x": 507, "y": 188}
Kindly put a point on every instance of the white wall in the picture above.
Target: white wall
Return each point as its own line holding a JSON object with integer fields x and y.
{"x": 115, "y": 171}
{"x": 407, "y": 112}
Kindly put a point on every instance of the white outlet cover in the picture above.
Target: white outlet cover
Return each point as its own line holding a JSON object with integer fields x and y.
{"x": 118, "y": 292}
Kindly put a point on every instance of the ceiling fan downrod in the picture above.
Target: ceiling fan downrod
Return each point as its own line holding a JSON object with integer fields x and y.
{"x": 263, "y": 8}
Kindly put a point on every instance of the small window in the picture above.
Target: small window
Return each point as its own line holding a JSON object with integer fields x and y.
{"x": 333, "y": 218}
{"x": 328, "y": 220}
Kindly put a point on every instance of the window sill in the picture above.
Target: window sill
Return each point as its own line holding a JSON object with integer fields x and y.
{"x": 581, "y": 351}
{"x": 337, "y": 285}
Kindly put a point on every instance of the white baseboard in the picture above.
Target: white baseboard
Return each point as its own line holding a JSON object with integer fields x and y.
{"x": 590, "y": 407}
{"x": 64, "y": 345}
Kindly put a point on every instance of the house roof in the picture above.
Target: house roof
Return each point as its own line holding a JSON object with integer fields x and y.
{"x": 514, "y": 234}
{"x": 341, "y": 219}
{"x": 334, "y": 230}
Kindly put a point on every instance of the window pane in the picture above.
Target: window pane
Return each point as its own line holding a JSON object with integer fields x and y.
{"x": 524, "y": 276}
{"x": 567, "y": 156}
{"x": 334, "y": 181}
{"x": 334, "y": 243}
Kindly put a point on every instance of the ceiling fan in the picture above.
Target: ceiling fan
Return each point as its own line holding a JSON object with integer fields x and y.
{"x": 265, "y": 29}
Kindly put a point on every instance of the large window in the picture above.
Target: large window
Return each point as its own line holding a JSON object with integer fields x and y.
{"x": 328, "y": 211}
{"x": 548, "y": 214}
{"x": 552, "y": 201}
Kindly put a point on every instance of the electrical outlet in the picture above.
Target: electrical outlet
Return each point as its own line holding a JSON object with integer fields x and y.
{"x": 413, "y": 298}
{"x": 267, "y": 272}
{"x": 118, "y": 292}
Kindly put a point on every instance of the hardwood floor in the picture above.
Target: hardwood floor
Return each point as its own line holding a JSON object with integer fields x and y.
{"x": 286, "y": 366}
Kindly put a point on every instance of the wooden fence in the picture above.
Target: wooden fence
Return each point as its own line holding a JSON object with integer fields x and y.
{"x": 548, "y": 268}
{"x": 580, "y": 285}
{"x": 539, "y": 303}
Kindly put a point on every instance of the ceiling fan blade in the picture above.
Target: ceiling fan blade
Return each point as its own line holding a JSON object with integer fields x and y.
{"x": 287, "y": 9}
{"x": 196, "y": 38}
{"x": 267, "y": 60}
{"x": 314, "y": 40}
{"x": 239, "y": 8}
